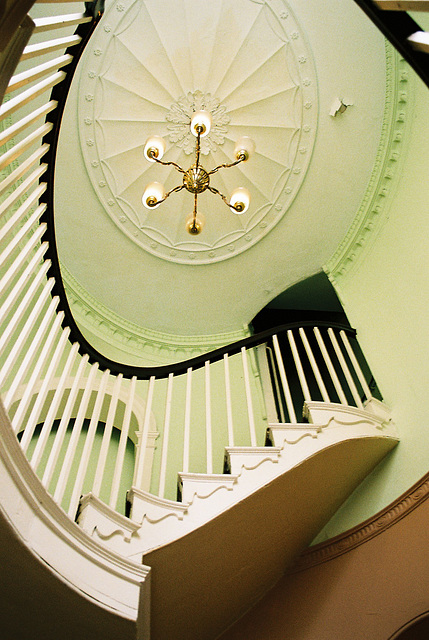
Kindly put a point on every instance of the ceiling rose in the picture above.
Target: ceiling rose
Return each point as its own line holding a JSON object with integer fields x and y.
{"x": 149, "y": 65}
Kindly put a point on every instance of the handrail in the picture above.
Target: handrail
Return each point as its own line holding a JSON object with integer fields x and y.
{"x": 397, "y": 27}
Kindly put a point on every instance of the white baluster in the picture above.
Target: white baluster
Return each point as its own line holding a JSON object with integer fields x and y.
{"x": 102, "y": 458}
{"x": 187, "y": 429}
{"x": 356, "y": 365}
{"x": 35, "y": 73}
{"x": 58, "y": 22}
{"x": 64, "y": 422}
{"x": 314, "y": 366}
{"x": 276, "y": 382}
{"x": 20, "y": 342}
{"x": 89, "y": 443}
{"x": 75, "y": 436}
{"x": 20, "y": 126}
{"x": 209, "y": 439}
{"x": 228, "y": 402}
{"x": 41, "y": 48}
{"x": 299, "y": 368}
{"x": 21, "y": 258}
{"x": 122, "y": 445}
{"x": 283, "y": 378}
{"x": 12, "y": 325}
{"x": 24, "y": 166}
{"x": 32, "y": 267}
{"x": 38, "y": 363}
{"x": 248, "y": 397}
{"x": 345, "y": 369}
{"x": 23, "y": 188}
{"x": 34, "y": 417}
{"x": 60, "y": 388}
{"x": 166, "y": 436}
{"x": 330, "y": 366}
{"x": 16, "y": 151}
{"x": 139, "y": 469}
{"x": 20, "y": 235}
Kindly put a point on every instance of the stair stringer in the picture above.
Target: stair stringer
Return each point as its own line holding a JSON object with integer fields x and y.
{"x": 156, "y": 522}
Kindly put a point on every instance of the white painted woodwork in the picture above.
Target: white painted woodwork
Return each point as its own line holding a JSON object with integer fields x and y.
{"x": 38, "y": 363}
{"x": 143, "y": 438}
{"x": 283, "y": 378}
{"x": 23, "y": 306}
{"x": 35, "y": 73}
{"x": 23, "y": 189}
{"x": 32, "y": 349}
{"x": 22, "y": 124}
{"x": 356, "y": 366}
{"x": 15, "y": 152}
{"x": 58, "y": 22}
{"x": 14, "y": 244}
{"x": 239, "y": 458}
{"x": 330, "y": 366}
{"x": 345, "y": 369}
{"x": 299, "y": 367}
{"x": 166, "y": 436}
{"x": 21, "y": 258}
{"x": 34, "y": 417}
{"x": 249, "y": 402}
{"x": 51, "y": 416}
{"x": 420, "y": 41}
{"x": 23, "y": 209}
{"x": 24, "y": 333}
{"x": 27, "y": 96}
{"x": 75, "y": 436}
{"x": 102, "y": 458}
{"x": 120, "y": 455}
{"x": 41, "y": 48}
{"x": 64, "y": 422}
{"x": 268, "y": 381}
{"x": 209, "y": 439}
{"x": 23, "y": 279}
{"x": 228, "y": 401}
{"x": 23, "y": 167}
{"x": 89, "y": 441}
{"x": 314, "y": 366}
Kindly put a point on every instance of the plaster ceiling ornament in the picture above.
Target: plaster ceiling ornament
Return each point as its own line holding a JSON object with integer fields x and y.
{"x": 248, "y": 64}
{"x": 180, "y": 116}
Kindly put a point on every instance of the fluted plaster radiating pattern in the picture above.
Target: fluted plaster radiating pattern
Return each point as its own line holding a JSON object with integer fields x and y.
{"x": 148, "y": 67}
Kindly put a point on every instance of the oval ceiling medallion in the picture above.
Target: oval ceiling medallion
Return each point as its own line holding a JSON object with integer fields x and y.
{"x": 148, "y": 67}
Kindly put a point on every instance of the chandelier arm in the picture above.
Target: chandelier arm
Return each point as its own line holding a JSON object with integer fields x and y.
{"x": 226, "y": 165}
{"x": 179, "y": 188}
{"x": 173, "y": 164}
{"x": 231, "y": 206}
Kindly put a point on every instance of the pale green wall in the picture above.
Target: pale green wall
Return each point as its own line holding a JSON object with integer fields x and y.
{"x": 386, "y": 297}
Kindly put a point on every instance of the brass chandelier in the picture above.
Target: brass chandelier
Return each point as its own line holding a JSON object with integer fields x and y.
{"x": 196, "y": 179}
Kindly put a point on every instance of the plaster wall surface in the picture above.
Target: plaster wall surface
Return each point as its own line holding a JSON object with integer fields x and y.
{"x": 385, "y": 297}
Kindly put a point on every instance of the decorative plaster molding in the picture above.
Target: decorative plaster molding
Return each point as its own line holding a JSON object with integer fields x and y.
{"x": 349, "y": 540}
{"x": 116, "y": 115}
{"x": 92, "y": 315}
{"x": 373, "y": 211}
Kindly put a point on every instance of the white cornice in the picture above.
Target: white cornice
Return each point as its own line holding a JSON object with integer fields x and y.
{"x": 101, "y": 321}
{"x": 373, "y": 211}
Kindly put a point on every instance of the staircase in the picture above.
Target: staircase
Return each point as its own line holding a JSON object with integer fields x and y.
{"x": 230, "y": 534}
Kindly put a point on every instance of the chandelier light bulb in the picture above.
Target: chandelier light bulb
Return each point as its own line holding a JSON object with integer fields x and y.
{"x": 155, "y": 146}
{"x": 194, "y": 225}
{"x": 244, "y": 147}
{"x": 153, "y": 194}
{"x": 202, "y": 119}
{"x": 240, "y": 200}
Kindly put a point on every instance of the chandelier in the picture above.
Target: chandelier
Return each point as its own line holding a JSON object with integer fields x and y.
{"x": 196, "y": 179}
